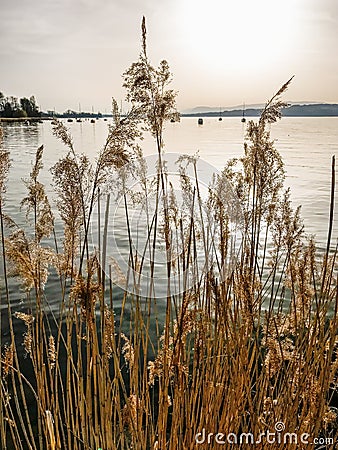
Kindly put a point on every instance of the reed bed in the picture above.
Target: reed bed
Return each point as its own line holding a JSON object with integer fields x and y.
{"x": 246, "y": 342}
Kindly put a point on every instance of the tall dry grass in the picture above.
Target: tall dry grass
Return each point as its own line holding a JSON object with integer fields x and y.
{"x": 247, "y": 342}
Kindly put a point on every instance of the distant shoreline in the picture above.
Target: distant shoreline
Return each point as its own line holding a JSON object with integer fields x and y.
{"x": 24, "y": 119}
{"x": 312, "y": 110}
{"x": 309, "y": 110}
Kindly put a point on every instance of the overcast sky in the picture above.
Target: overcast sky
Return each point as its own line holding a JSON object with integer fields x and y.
{"x": 221, "y": 52}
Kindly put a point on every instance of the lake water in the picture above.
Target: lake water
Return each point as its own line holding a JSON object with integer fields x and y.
{"x": 306, "y": 145}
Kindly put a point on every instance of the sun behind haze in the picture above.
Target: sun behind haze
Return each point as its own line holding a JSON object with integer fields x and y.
{"x": 242, "y": 42}
{"x": 239, "y": 35}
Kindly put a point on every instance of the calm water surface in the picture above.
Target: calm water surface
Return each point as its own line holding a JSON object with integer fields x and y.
{"x": 306, "y": 145}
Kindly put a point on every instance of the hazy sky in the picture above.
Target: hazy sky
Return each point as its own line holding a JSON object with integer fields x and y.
{"x": 221, "y": 52}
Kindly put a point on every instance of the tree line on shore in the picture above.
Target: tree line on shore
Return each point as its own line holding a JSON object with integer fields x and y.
{"x": 12, "y": 107}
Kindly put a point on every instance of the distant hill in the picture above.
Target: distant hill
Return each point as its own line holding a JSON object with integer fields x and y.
{"x": 317, "y": 110}
{"x": 294, "y": 110}
{"x": 207, "y": 109}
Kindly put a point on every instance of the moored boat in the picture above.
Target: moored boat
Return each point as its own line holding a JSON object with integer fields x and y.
{"x": 243, "y": 119}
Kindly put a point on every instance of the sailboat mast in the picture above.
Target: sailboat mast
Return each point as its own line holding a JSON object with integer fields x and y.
{"x": 243, "y": 118}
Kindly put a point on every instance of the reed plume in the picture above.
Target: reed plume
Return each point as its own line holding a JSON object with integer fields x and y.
{"x": 4, "y": 165}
